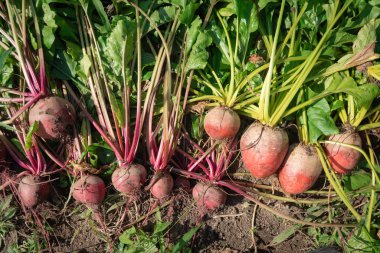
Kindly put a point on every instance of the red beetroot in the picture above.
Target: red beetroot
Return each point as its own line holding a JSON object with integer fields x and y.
{"x": 208, "y": 196}
{"x": 56, "y": 117}
{"x": 31, "y": 190}
{"x": 163, "y": 186}
{"x": 263, "y": 149}
{"x": 221, "y": 123}
{"x": 344, "y": 159}
{"x": 300, "y": 169}
{"x": 89, "y": 190}
{"x": 129, "y": 179}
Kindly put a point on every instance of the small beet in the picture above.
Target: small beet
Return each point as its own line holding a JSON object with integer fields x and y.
{"x": 344, "y": 159}
{"x": 263, "y": 149}
{"x": 163, "y": 186}
{"x": 31, "y": 190}
{"x": 221, "y": 123}
{"x": 89, "y": 190}
{"x": 56, "y": 118}
{"x": 208, "y": 196}
{"x": 300, "y": 169}
{"x": 129, "y": 179}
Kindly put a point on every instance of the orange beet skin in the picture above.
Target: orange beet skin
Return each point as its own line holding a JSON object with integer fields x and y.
{"x": 263, "y": 149}
{"x": 300, "y": 169}
{"x": 221, "y": 123}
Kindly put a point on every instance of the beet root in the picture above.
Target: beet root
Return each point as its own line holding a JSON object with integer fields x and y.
{"x": 343, "y": 159}
{"x": 221, "y": 123}
{"x": 31, "y": 190}
{"x": 89, "y": 190}
{"x": 56, "y": 118}
{"x": 163, "y": 186}
{"x": 129, "y": 179}
{"x": 300, "y": 169}
{"x": 263, "y": 149}
{"x": 208, "y": 197}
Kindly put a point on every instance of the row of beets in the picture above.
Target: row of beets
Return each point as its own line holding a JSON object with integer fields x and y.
{"x": 264, "y": 150}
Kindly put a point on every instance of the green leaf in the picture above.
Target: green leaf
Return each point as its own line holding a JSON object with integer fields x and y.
{"x": 103, "y": 16}
{"x": 126, "y": 236}
{"x": 193, "y": 33}
{"x": 85, "y": 64}
{"x": 366, "y": 36}
{"x": 161, "y": 16}
{"x": 29, "y": 137}
{"x": 284, "y": 235}
{"x": 187, "y": 14}
{"x": 118, "y": 109}
{"x": 356, "y": 180}
{"x": 198, "y": 56}
{"x": 319, "y": 121}
{"x": 123, "y": 34}
{"x": 362, "y": 241}
{"x": 161, "y": 227}
{"x": 3, "y": 58}
{"x": 48, "y": 36}
{"x": 184, "y": 240}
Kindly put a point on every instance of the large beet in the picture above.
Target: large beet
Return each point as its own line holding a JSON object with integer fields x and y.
{"x": 344, "y": 159}
{"x": 263, "y": 149}
{"x": 163, "y": 186}
{"x": 221, "y": 123}
{"x": 300, "y": 169}
{"x": 208, "y": 196}
{"x": 31, "y": 190}
{"x": 129, "y": 179}
{"x": 56, "y": 117}
{"x": 89, "y": 190}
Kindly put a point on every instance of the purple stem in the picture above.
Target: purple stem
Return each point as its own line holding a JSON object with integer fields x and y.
{"x": 23, "y": 109}
{"x": 14, "y": 100}
{"x": 189, "y": 174}
{"x": 95, "y": 124}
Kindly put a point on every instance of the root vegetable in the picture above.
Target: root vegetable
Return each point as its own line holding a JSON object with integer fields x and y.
{"x": 89, "y": 190}
{"x": 31, "y": 190}
{"x": 208, "y": 196}
{"x": 263, "y": 149}
{"x": 344, "y": 159}
{"x": 56, "y": 117}
{"x": 221, "y": 123}
{"x": 300, "y": 169}
{"x": 163, "y": 186}
{"x": 128, "y": 179}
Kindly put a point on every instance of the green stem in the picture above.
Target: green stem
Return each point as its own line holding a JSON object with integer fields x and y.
{"x": 372, "y": 200}
{"x": 264, "y": 103}
{"x": 231, "y": 87}
{"x": 335, "y": 185}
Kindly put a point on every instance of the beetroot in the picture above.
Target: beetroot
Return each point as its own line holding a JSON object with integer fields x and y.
{"x": 300, "y": 169}
{"x": 163, "y": 186}
{"x": 221, "y": 123}
{"x": 263, "y": 149}
{"x": 89, "y": 190}
{"x": 208, "y": 197}
{"x": 128, "y": 179}
{"x": 31, "y": 190}
{"x": 344, "y": 159}
{"x": 56, "y": 117}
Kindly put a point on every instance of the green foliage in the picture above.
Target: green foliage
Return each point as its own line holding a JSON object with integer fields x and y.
{"x": 136, "y": 240}
{"x": 7, "y": 213}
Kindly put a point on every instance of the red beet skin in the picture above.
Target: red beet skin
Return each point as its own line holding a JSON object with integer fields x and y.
{"x": 263, "y": 149}
{"x": 221, "y": 123}
{"x": 89, "y": 190}
{"x": 31, "y": 190}
{"x": 163, "y": 187}
{"x": 208, "y": 196}
{"x": 56, "y": 117}
{"x": 344, "y": 159}
{"x": 300, "y": 169}
{"x": 129, "y": 179}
